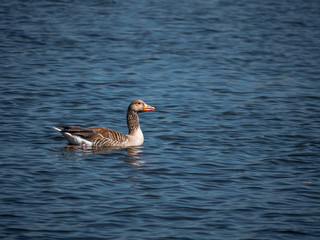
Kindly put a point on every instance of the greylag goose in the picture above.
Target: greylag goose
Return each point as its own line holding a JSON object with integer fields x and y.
{"x": 103, "y": 137}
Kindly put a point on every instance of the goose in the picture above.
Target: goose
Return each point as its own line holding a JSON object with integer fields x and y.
{"x": 105, "y": 137}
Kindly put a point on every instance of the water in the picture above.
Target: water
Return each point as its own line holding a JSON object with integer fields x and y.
{"x": 232, "y": 151}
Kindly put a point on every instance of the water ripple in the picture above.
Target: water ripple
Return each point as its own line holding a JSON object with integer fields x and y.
{"x": 231, "y": 152}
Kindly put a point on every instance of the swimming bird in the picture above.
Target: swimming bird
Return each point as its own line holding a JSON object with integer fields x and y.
{"x": 104, "y": 137}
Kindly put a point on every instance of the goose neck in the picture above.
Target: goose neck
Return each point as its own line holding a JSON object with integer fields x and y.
{"x": 132, "y": 121}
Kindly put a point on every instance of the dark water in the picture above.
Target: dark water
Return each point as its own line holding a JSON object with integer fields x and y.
{"x": 232, "y": 151}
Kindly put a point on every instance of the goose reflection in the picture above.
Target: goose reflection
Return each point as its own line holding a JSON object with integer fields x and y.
{"x": 133, "y": 155}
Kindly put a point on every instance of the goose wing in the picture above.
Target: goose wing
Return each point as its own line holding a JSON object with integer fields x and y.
{"x": 96, "y": 136}
{"x": 107, "y": 137}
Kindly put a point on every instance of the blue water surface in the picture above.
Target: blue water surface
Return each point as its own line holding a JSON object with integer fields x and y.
{"x": 231, "y": 152}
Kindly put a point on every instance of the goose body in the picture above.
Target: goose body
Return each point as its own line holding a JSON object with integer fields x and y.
{"x": 103, "y": 137}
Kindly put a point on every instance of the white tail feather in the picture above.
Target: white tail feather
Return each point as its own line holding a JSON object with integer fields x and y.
{"x": 57, "y": 129}
{"x": 74, "y": 139}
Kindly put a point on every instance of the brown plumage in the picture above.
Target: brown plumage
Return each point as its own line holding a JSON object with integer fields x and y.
{"x": 98, "y": 136}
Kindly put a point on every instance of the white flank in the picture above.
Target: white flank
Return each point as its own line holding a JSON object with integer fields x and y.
{"x": 74, "y": 139}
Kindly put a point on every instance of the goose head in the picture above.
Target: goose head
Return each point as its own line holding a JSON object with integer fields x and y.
{"x": 140, "y": 106}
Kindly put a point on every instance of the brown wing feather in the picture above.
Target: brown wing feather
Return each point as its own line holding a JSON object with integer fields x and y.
{"x": 86, "y": 133}
{"x": 97, "y": 135}
{"x": 107, "y": 137}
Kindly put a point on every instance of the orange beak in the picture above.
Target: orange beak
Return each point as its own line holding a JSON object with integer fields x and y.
{"x": 148, "y": 108}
